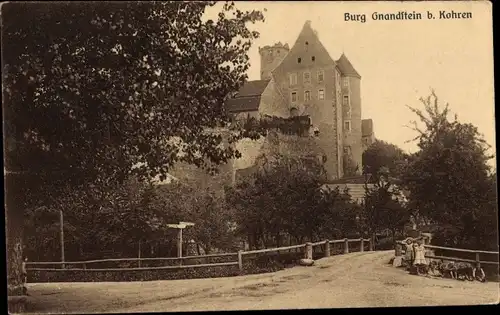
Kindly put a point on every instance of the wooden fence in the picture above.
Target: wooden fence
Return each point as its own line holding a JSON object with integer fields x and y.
{"x": 307, "y": 247}
{"x": 477, "y": 261}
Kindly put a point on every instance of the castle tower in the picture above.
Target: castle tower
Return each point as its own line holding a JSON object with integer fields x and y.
{"x": 270, "y": 58}
{"x": 307, "y": 78}
{"x": 351, "y": 113}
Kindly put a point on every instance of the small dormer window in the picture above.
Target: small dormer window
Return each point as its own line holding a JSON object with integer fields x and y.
{"x": 299, "y": 60}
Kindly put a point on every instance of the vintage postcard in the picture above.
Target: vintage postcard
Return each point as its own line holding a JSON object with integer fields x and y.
{"x": 249, "y": 155}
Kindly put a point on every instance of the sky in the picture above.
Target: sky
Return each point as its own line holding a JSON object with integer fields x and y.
{"x": 399, "y": 61}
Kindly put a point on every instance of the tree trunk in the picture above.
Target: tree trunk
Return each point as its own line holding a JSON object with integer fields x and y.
{"x": 14, "y": 234}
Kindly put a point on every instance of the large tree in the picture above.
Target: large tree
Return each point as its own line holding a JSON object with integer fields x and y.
{"x": 285, "y": 200}
{"x": 92, "y": 88}
{"x": 384, "y": 208}
{"x": 449, "y": 177}
{"x": 385, "y": 157}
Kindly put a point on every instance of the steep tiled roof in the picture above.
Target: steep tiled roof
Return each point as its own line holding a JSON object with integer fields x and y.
{"x": 307, "y": 52}
{"x": 248, "y": 97}
{"x": 366, "y": 127}
{"x": 243, "y": 104}
{"x": 346, "y": 67}
{"x": 253, "y": 88}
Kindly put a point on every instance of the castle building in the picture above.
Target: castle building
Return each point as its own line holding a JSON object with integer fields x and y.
{"x": 367, "y": 132}
{"x": 305, "y": 80}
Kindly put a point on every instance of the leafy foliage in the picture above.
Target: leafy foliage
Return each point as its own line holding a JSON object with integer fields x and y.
{"x": 450, "y": 180}
{"x": 126, "y": 216}
{"x": 92, "y": 89}
{"x": 383, "y": 158}
{"x": 285, "y": 200}
{"x": 111, "y": 85}
{"x": 385, "y": 209}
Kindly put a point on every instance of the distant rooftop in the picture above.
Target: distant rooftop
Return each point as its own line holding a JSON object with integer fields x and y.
{"x": 248, "y": 97}
{"x": 366, "y": 127}
{"x": 346, "y": 67}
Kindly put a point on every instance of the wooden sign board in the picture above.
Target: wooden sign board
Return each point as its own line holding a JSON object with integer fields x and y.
{"x": 176, "y": 226}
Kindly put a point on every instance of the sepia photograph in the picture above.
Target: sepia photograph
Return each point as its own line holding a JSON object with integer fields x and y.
{"x": 180, "y": 156}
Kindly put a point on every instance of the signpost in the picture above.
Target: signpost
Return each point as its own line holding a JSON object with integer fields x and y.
{"x": 61, "y": 235}
{"x": 180, "y": 227}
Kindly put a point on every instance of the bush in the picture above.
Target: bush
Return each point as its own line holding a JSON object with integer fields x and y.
{"x": 146, "y": 275}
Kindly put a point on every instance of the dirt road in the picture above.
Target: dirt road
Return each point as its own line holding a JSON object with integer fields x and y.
{"x": 352, "y": 280}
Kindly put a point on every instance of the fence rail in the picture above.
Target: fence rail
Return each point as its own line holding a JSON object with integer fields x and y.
{"x": 136, "y": 269}
{"x": 477, "y": 261}
{"x": 308, "y": 251}
{"x": 129, "y": 259}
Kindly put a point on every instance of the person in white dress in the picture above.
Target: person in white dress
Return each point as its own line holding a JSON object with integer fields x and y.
{"x": 420, "y": 260}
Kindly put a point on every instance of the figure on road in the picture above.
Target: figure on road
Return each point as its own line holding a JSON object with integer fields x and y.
{"x": 409, "y": 254}
{"x": 420, "y": 262}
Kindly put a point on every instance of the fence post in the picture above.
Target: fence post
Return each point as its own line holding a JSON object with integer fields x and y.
{"x": 346, "y": 246}
{"x": 309, "y": 251}
{"x": 24, "y": 272}
{"x": 327, "y": 248}
{"x": 240, "y": 260}
{"x": 478, "y": 262}
{"x": 362, "y": 245}
{"x": 370, "y": 245}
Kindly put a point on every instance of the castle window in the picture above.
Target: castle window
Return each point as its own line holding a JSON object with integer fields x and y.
{"x": 293, "y": 79}
{"x": 346, "y": 101}
{"x": 321, "y": 75}
{"x": 347, "y": 107}
{"x": 294, "y": 96}
{"x": 307, "y": 96}
{"x": 307, "y": 43}
{"x": 347, "y": 126}
{"x": 321, "y": 94}
{"x": 299, "y": 60}
{"x": 313, "y": 58}
{"x": 346, "y": 82}
{"x": 307, "y": 77}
